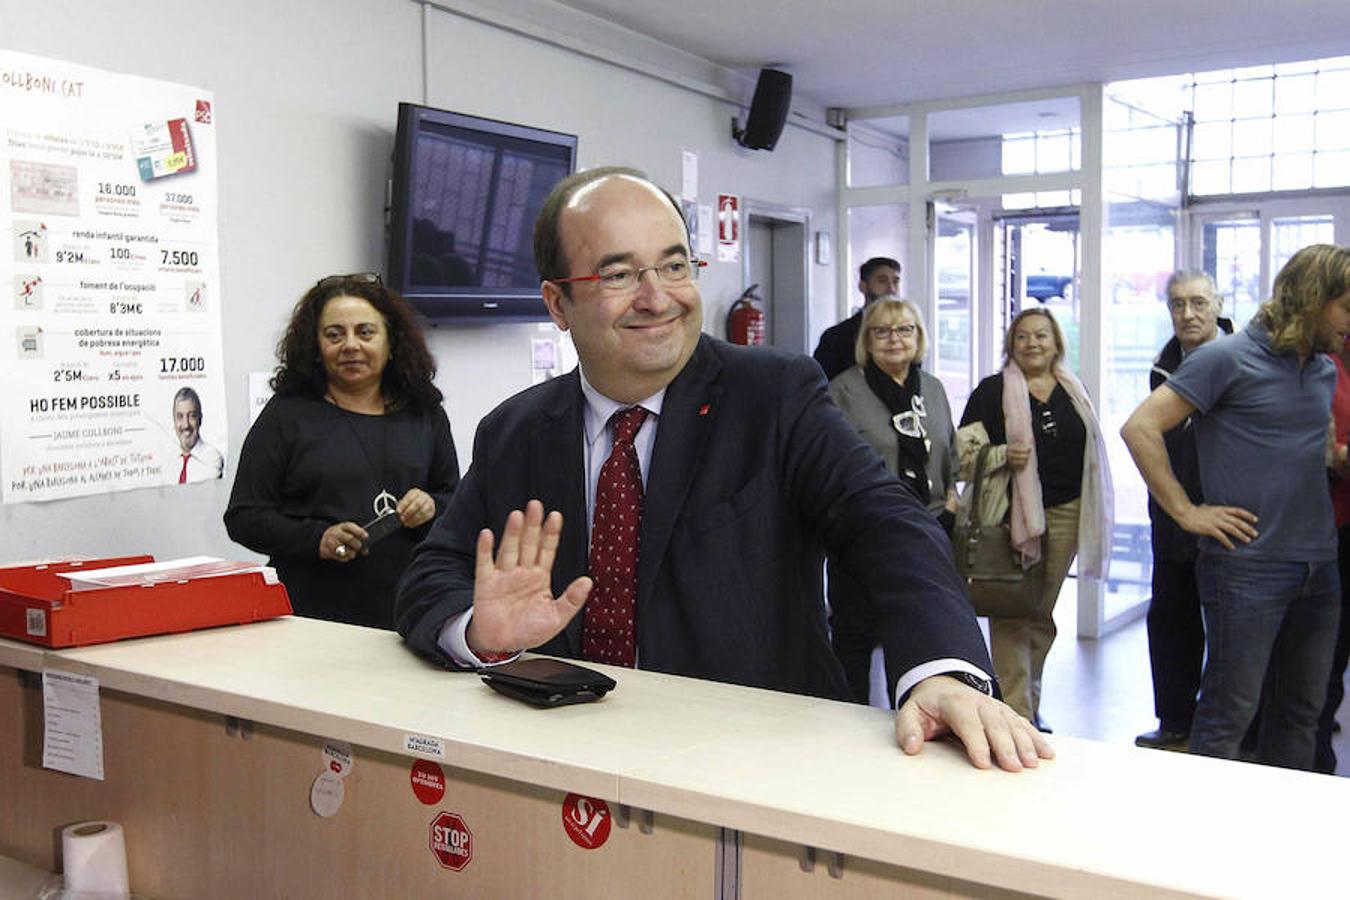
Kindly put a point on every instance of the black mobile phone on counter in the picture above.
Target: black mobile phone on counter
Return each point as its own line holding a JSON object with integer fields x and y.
{"x": 379, "y": 529}
{"x": 545, "y": 682}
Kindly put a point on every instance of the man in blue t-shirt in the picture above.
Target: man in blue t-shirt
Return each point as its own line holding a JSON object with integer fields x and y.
{"x": 1176, "y": 631}
{"x": 1267, "y": 571}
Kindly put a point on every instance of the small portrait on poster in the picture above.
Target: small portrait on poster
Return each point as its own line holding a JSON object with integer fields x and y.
{"x": 196, "y": 460}
{"x": 27, "y": 291}
{"x": 30, "y": 242}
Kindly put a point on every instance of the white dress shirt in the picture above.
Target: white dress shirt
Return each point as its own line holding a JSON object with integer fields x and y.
{"x": 597, "y": 443}
{"x": 204, "y": 463}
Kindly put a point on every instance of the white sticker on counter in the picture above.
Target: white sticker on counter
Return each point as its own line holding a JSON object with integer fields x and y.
{"x": 72, "y": 739}
{"x": 326, "y": 794}
{"x": 424, "y": 744}
{"x": 337, "y": 758}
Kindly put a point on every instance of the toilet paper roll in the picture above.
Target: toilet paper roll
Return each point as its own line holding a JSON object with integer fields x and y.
{"x": 95, "y": 858}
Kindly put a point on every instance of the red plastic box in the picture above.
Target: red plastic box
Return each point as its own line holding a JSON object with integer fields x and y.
{"x": 37, "y": 605}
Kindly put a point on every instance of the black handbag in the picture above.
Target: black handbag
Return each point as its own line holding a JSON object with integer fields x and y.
{"x": 997, "y": 584}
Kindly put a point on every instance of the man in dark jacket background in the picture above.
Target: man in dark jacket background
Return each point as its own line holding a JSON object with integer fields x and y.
{"x": 1176, "y": 632}
{"x": 878, "y": 277}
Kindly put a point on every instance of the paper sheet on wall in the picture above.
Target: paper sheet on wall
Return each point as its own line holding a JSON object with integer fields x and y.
{"x": 72, "y": 739}
{"x": 259, "y": 392}
{"x": 110, "y": 348}
{"x": 688, "y": 175}
{"x": 705, "y": 231}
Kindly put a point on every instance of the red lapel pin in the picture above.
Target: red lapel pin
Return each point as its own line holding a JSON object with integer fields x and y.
{"x": 703, "y": 410}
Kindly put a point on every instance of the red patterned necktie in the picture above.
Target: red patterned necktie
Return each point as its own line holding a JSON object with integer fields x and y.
{"x": 609, "y": 630}
{"x": 182, "y": 475}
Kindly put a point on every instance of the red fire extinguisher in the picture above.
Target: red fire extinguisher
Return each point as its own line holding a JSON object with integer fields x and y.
{"x": 745, "y": 320}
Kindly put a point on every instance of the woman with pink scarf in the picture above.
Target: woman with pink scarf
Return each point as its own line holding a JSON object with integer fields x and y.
{"x": 1047, "y": 443}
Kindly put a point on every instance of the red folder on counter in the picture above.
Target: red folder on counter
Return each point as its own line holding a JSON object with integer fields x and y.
{"x": 92, "y": 601}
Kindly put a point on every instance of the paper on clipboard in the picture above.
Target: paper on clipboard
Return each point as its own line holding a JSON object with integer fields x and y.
{"x": 181, "y": 569}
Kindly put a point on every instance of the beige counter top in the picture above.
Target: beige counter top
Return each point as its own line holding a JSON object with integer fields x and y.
{"x": 1093, "y": 822}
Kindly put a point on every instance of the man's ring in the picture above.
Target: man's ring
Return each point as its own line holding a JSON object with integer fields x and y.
{"x": 341, "y": 550}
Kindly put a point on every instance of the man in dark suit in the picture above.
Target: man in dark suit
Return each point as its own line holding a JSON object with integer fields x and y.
{"x": 748, "y": 473}
{"x": 878, "y": 277}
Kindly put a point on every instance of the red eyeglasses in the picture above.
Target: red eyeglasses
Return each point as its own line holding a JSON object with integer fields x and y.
{"x": 621, "y": 279}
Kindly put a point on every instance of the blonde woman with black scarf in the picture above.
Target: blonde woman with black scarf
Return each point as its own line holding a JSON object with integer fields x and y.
{"x": 902, "y": 411}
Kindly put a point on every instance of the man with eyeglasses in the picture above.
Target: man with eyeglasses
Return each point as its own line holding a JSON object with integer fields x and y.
{"x": 692, "y": 488}
{"x": 878, "y": 277}
{"x": 196, "y": 460}
{"x": 1176, "y": 631}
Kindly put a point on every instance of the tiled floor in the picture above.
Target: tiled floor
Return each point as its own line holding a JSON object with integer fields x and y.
{"x": 1098, "y": 689}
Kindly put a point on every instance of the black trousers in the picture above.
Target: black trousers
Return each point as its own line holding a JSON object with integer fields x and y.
{"x": 1176, "y": 643}
{"x": 853, "y": 632}
{"x": 1325, "y": 760}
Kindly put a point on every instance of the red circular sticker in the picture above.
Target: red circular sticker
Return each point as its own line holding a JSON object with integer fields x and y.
{"x": 428, "y": 781}
{"x": 586, "y": 820}
{"x": 450, "y": 840}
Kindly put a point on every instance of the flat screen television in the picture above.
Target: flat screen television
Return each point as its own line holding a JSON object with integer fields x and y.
{"x": 466, "y": 192}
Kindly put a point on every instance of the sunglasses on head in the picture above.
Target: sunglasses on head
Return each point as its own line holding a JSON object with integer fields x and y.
{"x": 358, "y": 277}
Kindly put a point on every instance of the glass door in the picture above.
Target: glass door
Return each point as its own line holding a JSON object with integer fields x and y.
{"x": 1230, "y": 250}
{"x": 1289, "y": 234}
{"x": 1244, "y": 247}
{"x": 953, "y": 331}
{"x": 1139, "y": 250}
{"x": 1041, "y": 260}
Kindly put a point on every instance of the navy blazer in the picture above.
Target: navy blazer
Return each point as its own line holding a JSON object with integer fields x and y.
{"x": 754, "y": 475}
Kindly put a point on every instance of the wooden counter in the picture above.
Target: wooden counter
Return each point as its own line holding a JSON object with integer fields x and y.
{"x": 741, "y": 781}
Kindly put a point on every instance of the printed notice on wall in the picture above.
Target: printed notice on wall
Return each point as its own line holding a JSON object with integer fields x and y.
{"x": 110, "y": 350}
{"x": 72, "y": 739}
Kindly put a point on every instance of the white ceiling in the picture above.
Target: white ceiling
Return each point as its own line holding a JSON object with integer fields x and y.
{"x": 983, "y": 121}
{"x": 852, "y": 53}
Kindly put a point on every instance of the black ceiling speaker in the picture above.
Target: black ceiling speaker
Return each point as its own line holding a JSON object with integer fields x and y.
{"x": 768, "y": 111}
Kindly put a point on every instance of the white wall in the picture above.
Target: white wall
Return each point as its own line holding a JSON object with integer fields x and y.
{"x": 880, "y": 231}
{"x": 876, "y": 158}
{"x": 306, "y": 96}
{"x": 968, "y": 158}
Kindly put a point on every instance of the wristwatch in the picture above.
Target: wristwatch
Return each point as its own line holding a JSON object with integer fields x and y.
{"x": 983, "y": 685}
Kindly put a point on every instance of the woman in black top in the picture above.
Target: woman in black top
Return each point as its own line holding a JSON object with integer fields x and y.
{"x": 1044, "y": 431}
{"x": 355, "y": 431}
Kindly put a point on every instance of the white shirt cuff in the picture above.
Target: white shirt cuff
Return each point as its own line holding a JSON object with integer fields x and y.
{"x": 454, "y": 641}
{"x": 908, "y": 680}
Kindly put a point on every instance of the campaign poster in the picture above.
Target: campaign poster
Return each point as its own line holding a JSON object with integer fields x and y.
{"x": 111, "y": 352}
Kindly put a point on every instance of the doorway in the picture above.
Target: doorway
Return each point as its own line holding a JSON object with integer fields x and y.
{"x": 988, "y": 265}
{"x": 955, "y": 268}
{"x": 1039, "y": 262}
{"x": 776, "y": 260}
